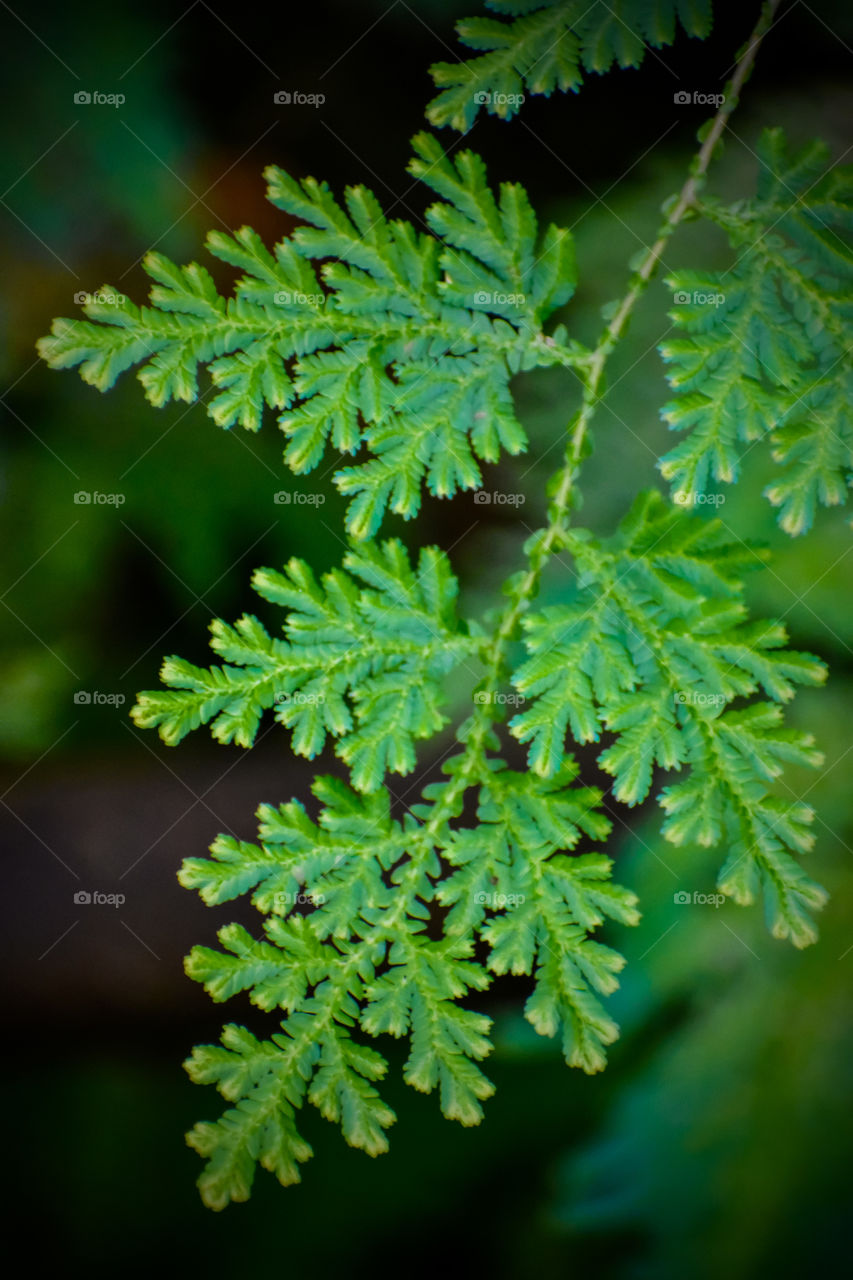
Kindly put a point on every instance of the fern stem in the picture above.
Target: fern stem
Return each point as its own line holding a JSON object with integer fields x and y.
{"x": 472, "y": 765}
{"x": 552, "y": 537}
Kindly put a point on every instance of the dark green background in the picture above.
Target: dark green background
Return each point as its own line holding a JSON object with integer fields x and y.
{"x": 718, "y": 1140}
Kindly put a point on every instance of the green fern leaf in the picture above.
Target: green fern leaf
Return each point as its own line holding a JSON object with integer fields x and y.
{"x": 361, "y": 331}
{"x": 362, "y": 662}
{"x": 654, "y": 649}
{"x": 764, "y": 351}
{"x": 547, "y": 45}
{"x": 349, "y": 905}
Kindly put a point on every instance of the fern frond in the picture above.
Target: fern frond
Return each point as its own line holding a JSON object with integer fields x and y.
{"x": 365, "y": 652}
{"x": 654, "y": 649}
{"x": 547, "y": 45}
{"x": 765, "y": 347}
{"x": 357, "y": 940}
{"x": 364, "y": 331}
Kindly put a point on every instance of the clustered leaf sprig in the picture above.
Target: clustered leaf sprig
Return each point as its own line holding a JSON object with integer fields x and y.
{"x": 362, "y": 332}
{"x": 763, "y": 348}
{"x": 547, "y": 45}
{"x": 403, "y": 343}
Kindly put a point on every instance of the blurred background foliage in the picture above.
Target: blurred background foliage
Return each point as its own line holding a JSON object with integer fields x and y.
{"x": 719, "y": 1138}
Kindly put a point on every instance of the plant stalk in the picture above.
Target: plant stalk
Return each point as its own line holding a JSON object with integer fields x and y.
{"x": 552, "y": 537}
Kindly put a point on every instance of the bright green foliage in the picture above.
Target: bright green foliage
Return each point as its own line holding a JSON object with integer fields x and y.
{"x": 556, "y": 900}
{"x": 379, "y": 919}
{"x": 402, "y": 341}
{"x": 353, "y": 945}
{"x": 766, "y": 345}
{"x": 655, "y": 648}
{"x": 371, "y": 920}
{"x": 547, "y": 45}
{"x": 362, "y": 661}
